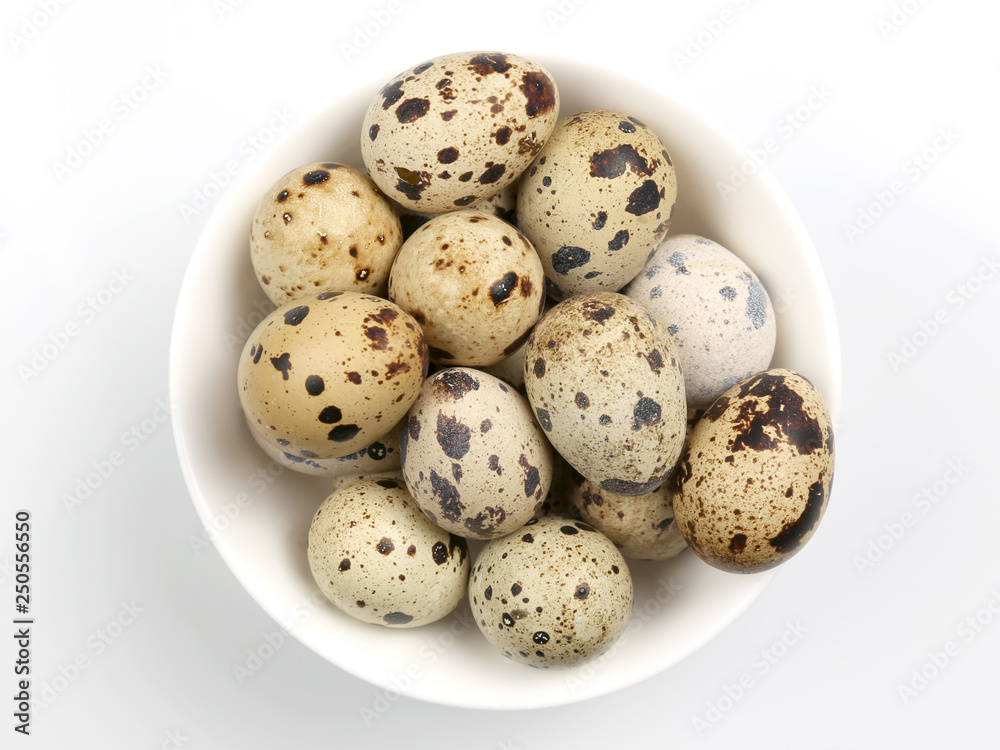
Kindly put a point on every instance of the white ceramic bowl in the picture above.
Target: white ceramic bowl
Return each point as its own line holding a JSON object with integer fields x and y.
{"x": 258, "y": 515}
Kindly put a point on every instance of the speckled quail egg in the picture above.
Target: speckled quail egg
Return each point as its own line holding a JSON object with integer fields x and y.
{"x": 603, "y": 379}
{"x": 380, "y": 560}
{"x": 642, "y": 528}
{"x": 473, "y": 456}
{"x": 473, "y": 282}
{"x": 552, "y": 594}
{"x": 596, "y": 201}
{"x": 755, "y": 478}
{"x": 458, "y": 128}
{"x": 379, "y": 457}
{"x": 325, "y": 376}
{"x": 716, "y": 309}
{"x": 323, "y": 227}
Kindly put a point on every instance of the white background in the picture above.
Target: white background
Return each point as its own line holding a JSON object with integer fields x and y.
{"x": 904, "y": 570}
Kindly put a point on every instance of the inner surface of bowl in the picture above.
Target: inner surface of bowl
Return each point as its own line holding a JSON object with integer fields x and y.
{"x": 258, "y": 514}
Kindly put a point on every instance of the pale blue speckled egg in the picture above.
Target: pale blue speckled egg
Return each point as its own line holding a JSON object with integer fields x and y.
{"x": 715, "y": 308}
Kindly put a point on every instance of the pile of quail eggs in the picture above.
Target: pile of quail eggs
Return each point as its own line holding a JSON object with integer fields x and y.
{"x": 491, "y": 335}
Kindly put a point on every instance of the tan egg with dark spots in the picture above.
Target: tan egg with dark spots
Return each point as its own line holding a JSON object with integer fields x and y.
{"x": 473, "y": 456}
{"x": 473, "y": 282}
{"x": 327, "y": 375}
{"x": 596, "y": 201}
{"x": 602, "y": 377}
{"x": 755, "y": 479}
{"x": 642, "y": 527}
{"x": 554, "y": 593}
{"x": 323, "y": 227}
{"x": 377, "y": 558}
{"x": 457, "y": 129}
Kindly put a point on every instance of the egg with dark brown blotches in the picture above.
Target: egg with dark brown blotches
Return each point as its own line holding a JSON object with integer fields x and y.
{"x": 327, "y": 375}
{"x": 596, "y": 201}
{"x": 552, "y": 594}
{"x": 457, "y": 129}
{"x": 323, "y": 227}
{"x": 603, "y": 379}
{"x": 377, "y": 558}
{"x": 473, "y": 456}
{"x": 473, "y": 282}
{"x": 755, "y": 479}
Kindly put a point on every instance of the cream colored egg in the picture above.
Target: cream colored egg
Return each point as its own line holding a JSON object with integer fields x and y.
{"x": 458, "y": 128}
{"x": 596, "y": 201}
{"x": 552, "y": 594}
{"x": 377, "y": 558}
{"x": 473, "y": 456}
{"x": 642, "y": 527}
{"x": 323, "y": 227}
{"x": 473, "y": 282}
{"x": 602, "y": 377}
{"x": 755, "y": 479}
{"x": 325, "y": 376}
